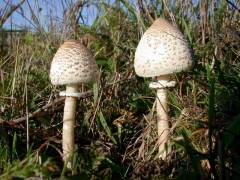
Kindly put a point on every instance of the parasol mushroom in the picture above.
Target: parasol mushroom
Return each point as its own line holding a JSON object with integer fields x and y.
{"x": 161, "y": 52}
{"x": 72, "y": 65}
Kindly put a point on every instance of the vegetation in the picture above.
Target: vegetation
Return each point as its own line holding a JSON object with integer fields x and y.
{"x": 115, "y": 133}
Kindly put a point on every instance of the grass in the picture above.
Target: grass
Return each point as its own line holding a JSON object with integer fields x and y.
{"x": 115, "y": 128}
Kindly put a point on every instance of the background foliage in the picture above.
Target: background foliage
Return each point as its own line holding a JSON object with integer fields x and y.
{"x": 115, "y": 132}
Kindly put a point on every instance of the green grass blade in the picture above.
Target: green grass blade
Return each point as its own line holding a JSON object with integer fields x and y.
{"x": 106, "y": 127}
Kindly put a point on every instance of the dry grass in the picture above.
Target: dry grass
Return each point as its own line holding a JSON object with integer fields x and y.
{"x": 115, "y": 131}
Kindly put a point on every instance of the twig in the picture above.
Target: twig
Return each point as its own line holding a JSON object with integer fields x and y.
{"x": 7, "y": 14}
{"x": 233, "y": 5}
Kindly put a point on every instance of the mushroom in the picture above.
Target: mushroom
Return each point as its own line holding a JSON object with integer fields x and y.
{"x": 72, "y": 65}
{"x": 161, "y": 52}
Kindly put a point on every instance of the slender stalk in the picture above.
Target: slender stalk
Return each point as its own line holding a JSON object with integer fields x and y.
{"x": 68, "y": 125}
{"x": 162, "y": 121}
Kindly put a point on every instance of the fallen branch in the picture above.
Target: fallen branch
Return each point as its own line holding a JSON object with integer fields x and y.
{"x": 57, "y": 102}
{"x": 43, "y": 110}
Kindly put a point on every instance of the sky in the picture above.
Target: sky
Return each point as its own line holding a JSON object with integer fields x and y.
{"x": 44, "y": 9}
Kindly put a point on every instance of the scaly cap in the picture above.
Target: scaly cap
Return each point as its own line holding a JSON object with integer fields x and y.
{"x": 73, "y": 63}
{"x": 162, "y": 50}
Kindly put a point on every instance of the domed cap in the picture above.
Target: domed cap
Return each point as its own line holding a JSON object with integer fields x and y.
{"x": 73, "y": 63}
{"x": 162, "y": 50}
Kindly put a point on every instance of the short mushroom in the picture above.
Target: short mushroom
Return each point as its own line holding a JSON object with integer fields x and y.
{"x": 72, "y": 65}
{"x": 162, "y": 51}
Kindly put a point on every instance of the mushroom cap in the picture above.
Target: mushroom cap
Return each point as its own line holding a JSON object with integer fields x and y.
{"x": 73, "y": 64}
{"x": 162, "y": 50}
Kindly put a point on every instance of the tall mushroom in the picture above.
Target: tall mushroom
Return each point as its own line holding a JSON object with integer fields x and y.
{"x": 162, "y": 51}
{"x": 72, "y": 65}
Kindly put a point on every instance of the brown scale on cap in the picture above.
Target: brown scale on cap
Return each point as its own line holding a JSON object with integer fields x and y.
{"x": 73, "y": 63}
{"x": 162, "y": 50}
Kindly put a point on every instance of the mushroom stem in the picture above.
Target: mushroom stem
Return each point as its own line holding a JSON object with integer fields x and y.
{"x": 68, "y": 125}
{"x": 162, "y": 119}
